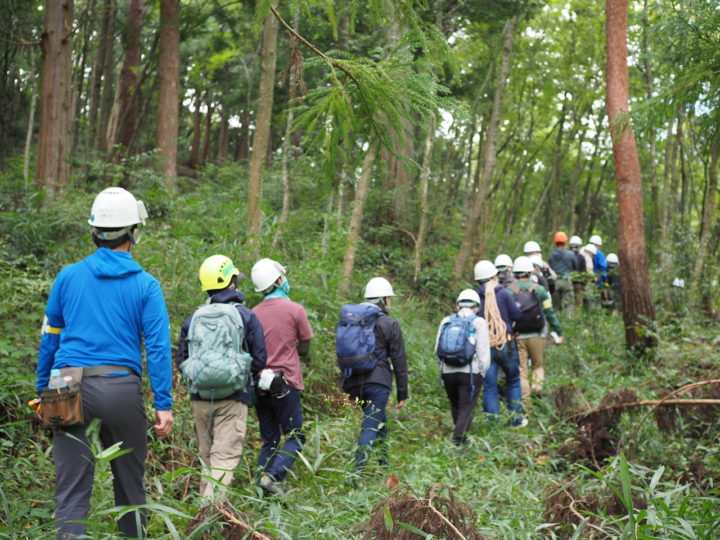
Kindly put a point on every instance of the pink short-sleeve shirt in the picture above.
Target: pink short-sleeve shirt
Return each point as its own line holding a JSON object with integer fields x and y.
{"x": 285, "y": 324}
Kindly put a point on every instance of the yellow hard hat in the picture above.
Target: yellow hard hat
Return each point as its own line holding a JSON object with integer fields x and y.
{"x": 216, "y": 272}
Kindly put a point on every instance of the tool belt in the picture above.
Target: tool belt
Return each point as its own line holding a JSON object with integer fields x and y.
{"x": 63, "y": 407}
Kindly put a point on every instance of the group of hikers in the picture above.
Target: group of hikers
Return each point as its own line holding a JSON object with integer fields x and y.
{"x": 104, "y": 310}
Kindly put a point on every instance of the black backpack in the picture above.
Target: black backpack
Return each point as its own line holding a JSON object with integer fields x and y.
{"x": 532, "y": 318}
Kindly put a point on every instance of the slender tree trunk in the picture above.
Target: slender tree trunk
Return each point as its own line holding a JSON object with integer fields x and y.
{"x": 97, "y": 73}
{"x": 194, "y": 158}
{"x": 423, "y": 195}
{"x": 127, "y": 101}
{"x": 108, "y": 74}
{"x": 242, "y": 146}
{"x": 168, "y": 91}
{"x": 207, "y": 134}
{"x": 28, "y": 138}
{"x": 80, "y": 92}
{"x": 471, "y": 230}
{"x": 353, "y": 236}
{"x": 52, "y": 170}
{"x": 638, "y": 309}
{"x": 707, "y": 215}
{"x": 222, "y": 150}
{"x": 261, "y": 140}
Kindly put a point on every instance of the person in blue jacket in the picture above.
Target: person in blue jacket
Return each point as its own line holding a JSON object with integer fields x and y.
{"x": 100, "y": 312}
{"x": 599, "y": 262}
{"x": 221, "y": 424}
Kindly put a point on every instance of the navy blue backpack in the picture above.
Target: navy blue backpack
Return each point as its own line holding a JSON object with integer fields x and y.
{"x": 355, "y": 338}
{"x": 454, "y": 346}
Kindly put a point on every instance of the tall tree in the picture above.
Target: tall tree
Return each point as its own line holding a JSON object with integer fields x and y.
{"x": 168, "y": 90}
{"x": 125, "y": 115}
{"x": 490, "y": 157}
{"x": 261, "y": 139}
{"x": 52, "y": 170}
{"x": 638, "y": 309}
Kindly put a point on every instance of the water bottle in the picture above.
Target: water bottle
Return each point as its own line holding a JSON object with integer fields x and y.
{"x": 57, "y": 381}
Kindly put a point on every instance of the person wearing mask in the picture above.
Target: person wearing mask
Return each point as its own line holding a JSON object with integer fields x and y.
{"x": 287, "y": 335}
{"x": 563, "y": 262}
{"x": 499, "y": 311}
{"x": 579, "y": 276}
{"x": 221, "y": 422}
{"x": 503, "y": 264}
{"x": 371, "y": 389}
{"x": 102, "y": 312}
{"x": 599, "y": 261}
{"x": 545, "y": 275}
{"x": 534, "y": 300}
{"x": 463, "y": 379}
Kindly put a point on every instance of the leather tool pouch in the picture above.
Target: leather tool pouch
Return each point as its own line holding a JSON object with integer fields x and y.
{"x": 63, "y": 406}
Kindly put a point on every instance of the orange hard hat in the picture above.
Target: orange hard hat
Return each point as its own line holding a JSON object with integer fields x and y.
{"x": 560, "y": 238}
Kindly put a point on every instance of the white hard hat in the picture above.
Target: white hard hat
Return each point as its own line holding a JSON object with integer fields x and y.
{"x": 613, "y": 259}
{"x": 523, "y": 265}
{"x": 531, "y": 247}
{"x": 575, "y": 241}
{"x": 536, "y": 259}
{"x": 468, "y": 295}
{"x": 116, "y": 207}
{"x": 590, "y": 249}
{"x": 484, "y": 270}
{"x": 503, "y": 260}
{"x": 265, "y": 272}
{"x": 595, "y": 239}
{"x": 378, "y": 287}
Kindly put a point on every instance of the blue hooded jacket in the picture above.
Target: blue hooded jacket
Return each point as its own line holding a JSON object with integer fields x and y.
{"x": 99, "y": 312}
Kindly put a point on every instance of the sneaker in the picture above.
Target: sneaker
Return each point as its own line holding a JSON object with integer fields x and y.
{"x": 270, "y": 486}
{"x": 521, "y": 424}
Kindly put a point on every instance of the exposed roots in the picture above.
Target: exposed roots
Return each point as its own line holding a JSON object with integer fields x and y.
{"x": 403, "y": 513}
{"x": 231, "y": 524}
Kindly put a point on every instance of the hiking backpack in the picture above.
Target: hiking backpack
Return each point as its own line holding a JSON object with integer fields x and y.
{"x": 355, "y": 338}
{"x": 217, "y": 366}
{"x": 454, "y": 346}
{"x": 532, "y": 318}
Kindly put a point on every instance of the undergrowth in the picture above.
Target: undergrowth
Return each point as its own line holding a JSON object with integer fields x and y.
{"x": 659, "y": 481}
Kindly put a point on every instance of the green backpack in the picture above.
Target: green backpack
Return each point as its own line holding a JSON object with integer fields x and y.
{"x": 217, "y": 365}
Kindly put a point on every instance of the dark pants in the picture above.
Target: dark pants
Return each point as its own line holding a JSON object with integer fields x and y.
{"x": 118, "y": 403}
{"x": 507, "y": 360}
{"x": 278, "y": 417}
{"x": 373, "y": 431}
{"x": 463, "y": 394}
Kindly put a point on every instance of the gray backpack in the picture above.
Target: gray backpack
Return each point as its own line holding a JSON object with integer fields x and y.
{"x": 217, "y": 365}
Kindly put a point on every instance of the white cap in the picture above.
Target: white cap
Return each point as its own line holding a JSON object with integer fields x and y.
{"x": 531, "y": 247}
{"x": 523, "y": 265}
{"x": 590, "y": 249}
{"x": 265, "y": 272}
{"x": 575, "y": 241}
{"x": 536, "y": 259}
{"x": 503, "y": 260}
{"x": 116, "y": 207}
{"x": 595, "y": 239}
{"x": 378, "y": 287}
{"x": 612, "y": 258}
{"x": 484, "y": 270}
{"x": 468, "y": 295}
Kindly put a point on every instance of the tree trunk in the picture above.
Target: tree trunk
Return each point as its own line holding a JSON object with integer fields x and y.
{"x": 638, "y": 309}
{"x": 168, "y": 91}
{"x": 28, "y": 138}
{"x": 423, "y": 195}
{"x": 207, "y": 134}
{"x": 108, "y": 75}
{"x": 97, "y": 74}
{"x": 707, "y": 215}
{"x": 52, "y": 170}
{"x": 263, "y": 117}
{"x": 129, "y": 78}
{"x": 353, "y": 236}
{"x": 242, "y": 146}
{"x": 222, "y": 150}
{"x": 466, "y": 248}
{"x": 195, "y": 146}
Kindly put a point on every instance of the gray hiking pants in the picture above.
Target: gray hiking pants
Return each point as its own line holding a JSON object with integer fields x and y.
{"x": 118, "y": 403}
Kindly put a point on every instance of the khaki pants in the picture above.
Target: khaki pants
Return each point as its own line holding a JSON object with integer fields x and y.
{"x": 533, "y": 348}
{"x": 563, "y": 297}
{"x": 220, "y": 428}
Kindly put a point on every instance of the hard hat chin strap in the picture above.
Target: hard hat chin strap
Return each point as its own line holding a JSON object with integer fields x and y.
{"x": 131, "y": 231}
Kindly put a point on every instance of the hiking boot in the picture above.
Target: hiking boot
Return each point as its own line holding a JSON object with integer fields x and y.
{"x": 521, "y": 424}
{"x": 270, "y": 486}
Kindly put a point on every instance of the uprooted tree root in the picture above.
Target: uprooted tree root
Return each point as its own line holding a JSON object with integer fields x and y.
{"x": 594, "y": 441}
{"x": 233, "y": 525}
{"x": 443, "y": 517}
{"x": 567, "y": 509}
